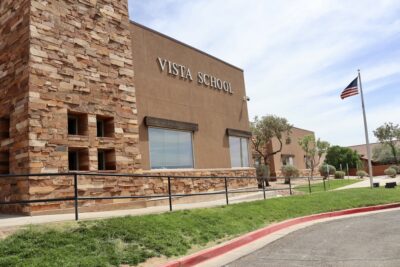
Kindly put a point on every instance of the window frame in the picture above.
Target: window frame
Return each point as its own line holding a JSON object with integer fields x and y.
{"x": 76, "y": 163}
{"x": 106, "y": 163}
{"x": 5, "y": 167}
{"x": 101, "y": 129}
{"x": 81, "y": 154}
{"x": 75, "y": 122}
{"x": 288, "y": 157}
{"x": 107, "y": 126}
{"x": 101, "y": 152}
{"x": 6, "y": 126}
{"x": 241, "y": 138}
{"x": 80, "y": 123}
{"x": 172, "y": 130}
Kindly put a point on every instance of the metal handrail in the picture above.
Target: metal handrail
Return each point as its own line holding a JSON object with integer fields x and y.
{"x": 76, "y": 198}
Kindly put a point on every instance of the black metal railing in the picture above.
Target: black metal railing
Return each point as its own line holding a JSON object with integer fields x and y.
{"x": 254, "y": 184}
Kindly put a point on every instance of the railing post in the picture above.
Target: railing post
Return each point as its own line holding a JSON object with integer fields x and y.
{"x": 76, "y": 196}
{"x": 263, "y": 186}
{"x": 226, "y": 191}
{"x": 309, "y": 184}
{"x": 169, "y": 193}
{"x": 329, "y": 184}
{"x": 323, "y": 179}
{"x": 290, "y": 185}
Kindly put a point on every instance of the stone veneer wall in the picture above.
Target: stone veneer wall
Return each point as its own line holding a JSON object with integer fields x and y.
{"x": 14, "y": 79}
{"x": 81, "y": 60}
{"x": 97, "y": 186}
{"x": 60, "y": 56}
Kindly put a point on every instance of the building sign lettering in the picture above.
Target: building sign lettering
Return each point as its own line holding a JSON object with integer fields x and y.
{"x": 184, "y": 73}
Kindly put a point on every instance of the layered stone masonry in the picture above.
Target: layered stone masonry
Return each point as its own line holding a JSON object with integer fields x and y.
{"x": 81, "y": 61}
{"x": 100, "y": 186}
{"x": 14, "y": 76}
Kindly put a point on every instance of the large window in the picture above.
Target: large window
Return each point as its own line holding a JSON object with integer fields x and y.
{"x": 239, "y": 151}
{"x": 170, "y": 149}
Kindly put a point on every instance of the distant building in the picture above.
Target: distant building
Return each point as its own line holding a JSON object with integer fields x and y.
{"x": 291, "y": 154}
{"x": 378, "y": 168}
{"x": 362, "y": 149}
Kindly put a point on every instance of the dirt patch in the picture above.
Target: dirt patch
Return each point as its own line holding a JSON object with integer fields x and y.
{"x": 5, "y": 232}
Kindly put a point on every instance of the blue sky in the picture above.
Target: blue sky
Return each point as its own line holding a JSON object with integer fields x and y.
{"x": 297, "y": 56}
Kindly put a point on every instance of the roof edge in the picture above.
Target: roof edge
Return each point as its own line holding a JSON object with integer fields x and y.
{"x": 302, "y": 129}
{"x": 184, "y": 44}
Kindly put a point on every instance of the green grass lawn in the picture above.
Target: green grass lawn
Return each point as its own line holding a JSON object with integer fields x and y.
{"x": 131, "y": 240}
{"x": 332, "y": 184}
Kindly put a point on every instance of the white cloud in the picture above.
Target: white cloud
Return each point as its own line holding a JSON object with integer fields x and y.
{"x": 297, "y": 55}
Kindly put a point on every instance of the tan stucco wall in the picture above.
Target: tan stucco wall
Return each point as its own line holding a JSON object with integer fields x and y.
{"x": 293, "y": 149}
{"x": 163, "y": 96}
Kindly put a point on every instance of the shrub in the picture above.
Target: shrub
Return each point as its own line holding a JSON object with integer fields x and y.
{"x": 361, "y": 174}
{"x": 263, "y": 174}
{"x": 391, "y": 172}
{"x": 324, "y": 172}
{"x": 289, "y": 171}
{"x": 339, "y": 175}
{"x": 396, "y": 168}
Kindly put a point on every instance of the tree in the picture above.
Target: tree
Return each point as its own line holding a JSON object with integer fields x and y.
{"x": 388, "y": 134}
{"x": 383, "y": 154}
{"x": 266, "y": 129}
{"x": 338, "y": 155}
{"x": 313, "y": 150}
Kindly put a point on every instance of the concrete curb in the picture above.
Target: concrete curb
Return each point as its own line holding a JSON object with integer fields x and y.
{"x": 213, "y": 252}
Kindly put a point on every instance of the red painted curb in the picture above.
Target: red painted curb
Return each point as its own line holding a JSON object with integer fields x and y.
{"x": 210, "y": 253}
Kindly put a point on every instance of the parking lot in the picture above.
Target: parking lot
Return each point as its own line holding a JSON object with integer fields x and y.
{"x": 371, "y": 240}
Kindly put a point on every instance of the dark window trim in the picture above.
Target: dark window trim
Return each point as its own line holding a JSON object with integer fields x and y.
{"x": 238, "y": 133}
{"x": 170, "y": 124}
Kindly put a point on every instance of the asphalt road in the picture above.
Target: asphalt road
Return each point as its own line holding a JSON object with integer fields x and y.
{"x": 371, "y": 240}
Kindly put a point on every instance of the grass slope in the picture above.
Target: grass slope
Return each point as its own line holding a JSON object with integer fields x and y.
{"x": 332, "y": 184}
{"x": 131, "y": 240}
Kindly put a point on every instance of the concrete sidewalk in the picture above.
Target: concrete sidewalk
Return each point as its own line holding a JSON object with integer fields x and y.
{"x": 7, "y": 221}
{"x": 366, "y": 183}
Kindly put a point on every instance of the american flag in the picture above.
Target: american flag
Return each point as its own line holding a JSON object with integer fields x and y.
{"x": 351, "y": 89}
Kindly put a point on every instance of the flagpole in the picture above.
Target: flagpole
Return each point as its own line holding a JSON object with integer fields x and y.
{"x": 366, "y": 132}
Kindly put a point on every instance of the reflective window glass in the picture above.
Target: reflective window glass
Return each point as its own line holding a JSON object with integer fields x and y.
{"x": 170, "y": 149}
